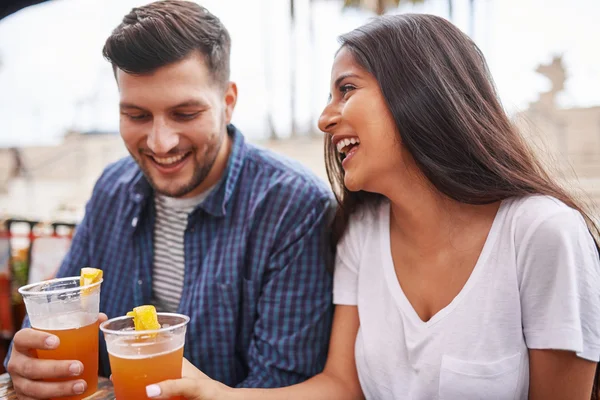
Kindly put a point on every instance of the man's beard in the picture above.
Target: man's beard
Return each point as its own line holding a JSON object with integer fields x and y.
{"x": 201, "y": 171}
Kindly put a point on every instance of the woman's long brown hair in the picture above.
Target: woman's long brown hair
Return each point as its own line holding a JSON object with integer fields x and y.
{"x": 438, "y": 88}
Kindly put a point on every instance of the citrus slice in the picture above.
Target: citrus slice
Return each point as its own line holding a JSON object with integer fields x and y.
{"x": 144, "y": 318}
{"x": 89, "y": 276}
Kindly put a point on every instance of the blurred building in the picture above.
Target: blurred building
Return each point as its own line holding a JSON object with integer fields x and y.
{"x": 567, "y": 139}
{"x": 51, "y": 183}
{"x": 54, "y": 182}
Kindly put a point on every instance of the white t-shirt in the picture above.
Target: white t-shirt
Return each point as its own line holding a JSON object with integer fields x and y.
{"x": 536, "y": 285}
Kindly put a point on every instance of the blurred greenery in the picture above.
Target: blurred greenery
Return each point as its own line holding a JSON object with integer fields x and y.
{"x": 20, "y": 272}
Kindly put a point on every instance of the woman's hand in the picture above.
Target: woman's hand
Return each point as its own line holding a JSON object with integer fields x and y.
{"x": 194, "y": 385}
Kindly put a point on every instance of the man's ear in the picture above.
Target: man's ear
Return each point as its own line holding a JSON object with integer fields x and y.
{"x": 230, "y": 100}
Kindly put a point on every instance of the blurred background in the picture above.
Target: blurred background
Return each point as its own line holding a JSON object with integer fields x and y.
{"x": 59, "y": 116}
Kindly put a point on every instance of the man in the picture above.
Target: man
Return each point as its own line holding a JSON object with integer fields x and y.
{"x": 197, "y": 221}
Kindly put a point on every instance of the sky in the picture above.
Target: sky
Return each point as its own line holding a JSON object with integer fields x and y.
{"x": 53, "y": 77}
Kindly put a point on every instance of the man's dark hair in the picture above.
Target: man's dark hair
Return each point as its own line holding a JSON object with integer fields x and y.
{"x": 167, "y": 31}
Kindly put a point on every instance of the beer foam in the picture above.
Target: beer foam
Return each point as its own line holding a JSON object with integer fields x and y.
{"x": 130, "y": 352}
{"x": 71, "y": 320}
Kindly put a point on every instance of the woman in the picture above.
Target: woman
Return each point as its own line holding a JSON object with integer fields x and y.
{"x": 463, "y": 271}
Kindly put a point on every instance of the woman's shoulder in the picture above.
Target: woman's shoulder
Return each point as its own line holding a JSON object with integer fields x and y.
{"x": 545, "y": 218}
{"x": 528, "y": 211}
{"x": 538, "y": 204}
{"x": 363, "y": 222}
{"x": 362, "y": 233}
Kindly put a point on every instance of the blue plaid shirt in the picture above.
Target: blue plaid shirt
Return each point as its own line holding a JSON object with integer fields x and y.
{"x": 256, "y": 287}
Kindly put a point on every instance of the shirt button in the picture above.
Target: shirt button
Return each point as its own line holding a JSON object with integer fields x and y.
{"x": 134, "y": 222}
{"x": 140, "y": 282}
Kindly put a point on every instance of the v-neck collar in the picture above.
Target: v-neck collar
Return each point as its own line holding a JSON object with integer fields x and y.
{"x": 392, "y": 280}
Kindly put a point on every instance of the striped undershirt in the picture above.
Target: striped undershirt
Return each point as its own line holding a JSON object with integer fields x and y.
{"x": 169, "y": 254}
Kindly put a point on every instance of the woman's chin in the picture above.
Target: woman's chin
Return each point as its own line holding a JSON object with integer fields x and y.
{"x": 352, "y": 184}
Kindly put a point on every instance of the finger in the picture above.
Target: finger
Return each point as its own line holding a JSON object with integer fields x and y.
{"x": 102, "y": 317}
{"x": 45, "y": 390}
{"x": 34, "y": 369}
{"x": 27, "y": 339}
{"x": 174, "y": 387}
{"x": 23, "y": 397}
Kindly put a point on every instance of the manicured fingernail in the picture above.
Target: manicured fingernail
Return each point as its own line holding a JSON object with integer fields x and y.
{"x": 78, "y": 388}
{"x": 75, "y": 369}
{"x": 152, "y": 390}
{"x": 51, "y": 341}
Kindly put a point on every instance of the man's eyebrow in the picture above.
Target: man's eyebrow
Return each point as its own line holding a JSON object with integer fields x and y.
{"x": 190, "y": 103}
{"x": 125, "y": 105}
{"x": 186, "y": 103}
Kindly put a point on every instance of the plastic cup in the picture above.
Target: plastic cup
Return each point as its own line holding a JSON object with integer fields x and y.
{"x": 70, "y": 312}
{"x": 142, "y": 358}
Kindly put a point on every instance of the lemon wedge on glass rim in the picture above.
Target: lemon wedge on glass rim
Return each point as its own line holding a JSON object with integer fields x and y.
{"x": 89, "y": 276}
{"x": 144, "y": 318}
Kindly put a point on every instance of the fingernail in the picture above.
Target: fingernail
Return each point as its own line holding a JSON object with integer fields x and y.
{"x": 152, "y": 390}
{"x": 75, "y": 369}
{"x": 51, "y": 341}
{"x": 78, "y": 388}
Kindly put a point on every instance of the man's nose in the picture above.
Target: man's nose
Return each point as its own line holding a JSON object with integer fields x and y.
{"x": 162, "y": 138}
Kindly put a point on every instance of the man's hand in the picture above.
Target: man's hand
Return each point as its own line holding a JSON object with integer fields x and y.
{"x": 27, "y": 371}
{"x": 194, "y": 385}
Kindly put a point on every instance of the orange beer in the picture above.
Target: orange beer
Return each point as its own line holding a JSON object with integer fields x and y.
{"x": 130, "y": 376}
{"x": 77, "y": 344}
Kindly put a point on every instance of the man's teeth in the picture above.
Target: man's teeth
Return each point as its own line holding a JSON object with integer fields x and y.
{"x": 168, "y": 160}
{"x": 342, "y": 145}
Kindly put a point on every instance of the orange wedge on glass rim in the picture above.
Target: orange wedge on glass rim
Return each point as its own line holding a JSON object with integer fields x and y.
{"x": 89, "y": 276}
{"x": 144, "y": 318}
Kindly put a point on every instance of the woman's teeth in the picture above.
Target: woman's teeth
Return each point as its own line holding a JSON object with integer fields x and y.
{"x": 344, "y": 145}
